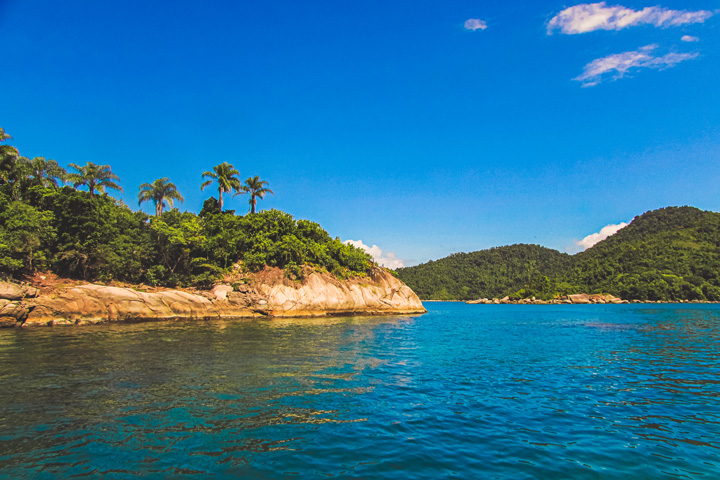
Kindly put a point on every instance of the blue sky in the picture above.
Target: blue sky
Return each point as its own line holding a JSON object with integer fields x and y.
{"x": 390, "y": 123}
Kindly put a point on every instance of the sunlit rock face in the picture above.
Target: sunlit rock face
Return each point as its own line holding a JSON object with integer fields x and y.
{"x": 321, "y": 294}
{"x": 268, "y": 294}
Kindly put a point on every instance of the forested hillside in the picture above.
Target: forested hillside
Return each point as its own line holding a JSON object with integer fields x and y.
{"x": 488, "y": 273}
{"x": 667, "y": 254}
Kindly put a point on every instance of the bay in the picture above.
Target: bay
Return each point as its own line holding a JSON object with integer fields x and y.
{"x": 464, "y": 391}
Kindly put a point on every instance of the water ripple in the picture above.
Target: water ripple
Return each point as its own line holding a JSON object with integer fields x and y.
{"x": 500, "y": 392}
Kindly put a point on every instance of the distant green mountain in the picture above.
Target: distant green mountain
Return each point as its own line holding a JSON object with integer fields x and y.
{"x": 667, "y": 254}
{"x": 488, "y": 273}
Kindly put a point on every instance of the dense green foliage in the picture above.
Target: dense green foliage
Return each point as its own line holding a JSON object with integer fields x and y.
{"x": 160, "y": 192}
{"x": 491, "y": 273}
{"x": 667, "y": 254}
{"x": 91, "y": 236}
{"x": 95, "y": 237}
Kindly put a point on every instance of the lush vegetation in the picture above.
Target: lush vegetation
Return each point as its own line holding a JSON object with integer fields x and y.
{"x": 667, "y": 254}
{"x": 78, "y": 231}
{"x": 86, "y": 234}
{"x": 161, "y": 192}
{"x": 491, "y": 273}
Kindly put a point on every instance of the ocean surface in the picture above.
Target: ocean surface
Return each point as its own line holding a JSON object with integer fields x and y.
{"x": 465, "y": 391}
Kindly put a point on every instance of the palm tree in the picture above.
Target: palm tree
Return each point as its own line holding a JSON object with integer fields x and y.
{"x": 13, "y": 167}
{"x": 256, "y": 188}
{"x": 159, "y": 192}
{"x": 8, "y": 158}
{"x": 226, "y": 176}
{"x": 45, "y": 172}
{"x": 14, "y": 171}
{"x": 94, "y": 177}
{"x": 11, "y": 164}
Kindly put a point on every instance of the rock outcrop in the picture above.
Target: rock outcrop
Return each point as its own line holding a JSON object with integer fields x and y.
{"x": 319, "y": 294}
{"x": 14, "y": 303}
{"x": 580, "y": 298}
{"x": 268, "y": 295}
{"x": 15, "y": 292}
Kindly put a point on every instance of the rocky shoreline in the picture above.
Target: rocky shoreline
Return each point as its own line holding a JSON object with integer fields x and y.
{"x": 578, "y": 299}
{"x": 269, "y": 295}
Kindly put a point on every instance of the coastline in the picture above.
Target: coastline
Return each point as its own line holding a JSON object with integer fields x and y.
{"x": 576, "y": 299}
{"x": 268, "y": 295}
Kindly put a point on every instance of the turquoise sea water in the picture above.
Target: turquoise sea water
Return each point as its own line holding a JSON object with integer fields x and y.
{"x": 465, "y": 391}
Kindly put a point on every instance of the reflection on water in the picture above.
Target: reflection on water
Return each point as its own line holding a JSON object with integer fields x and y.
{"x": 464, "y": 391}
{"x": 97, "y": 398}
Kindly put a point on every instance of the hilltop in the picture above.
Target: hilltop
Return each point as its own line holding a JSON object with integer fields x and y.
{"x": 489, "y": 273}
{"x": 668, "y": 254}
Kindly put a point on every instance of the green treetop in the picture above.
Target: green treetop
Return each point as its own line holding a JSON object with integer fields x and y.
{"x": 256, "y": 188}
{"x": 94, "y": 177}
{"x": 160, "y": 191}
{"x": 46, "y": 173}
{"x": 227, "y": 178}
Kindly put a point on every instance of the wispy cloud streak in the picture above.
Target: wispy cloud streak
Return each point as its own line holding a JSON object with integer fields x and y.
{"x": 589, "y": 17}
{"x": 619, "y": 64}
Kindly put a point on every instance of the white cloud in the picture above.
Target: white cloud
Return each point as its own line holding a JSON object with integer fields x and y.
{"x": 388, "y": 259}
{"x": 689, "y": 38}
{"x": 620, "y": 63}
{"x": 589, "y": 17}
{"x": 604, "y": 233}
{"x": 475, "y": 24}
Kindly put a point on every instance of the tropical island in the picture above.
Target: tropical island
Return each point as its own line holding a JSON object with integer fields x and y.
{"x": 89, "y": 258}
{"x": 666, "y": 255}
{"x": 70, "y": 253}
